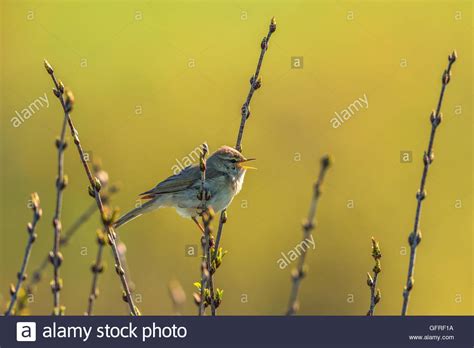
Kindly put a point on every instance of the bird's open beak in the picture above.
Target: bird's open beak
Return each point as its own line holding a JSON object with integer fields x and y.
{"x": 245, "y": 161}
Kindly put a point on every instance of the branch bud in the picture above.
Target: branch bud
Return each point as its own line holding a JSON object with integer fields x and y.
{"x": 370, "y": 281}
{"x": 378, "y": 296}
{"x": 376, "y": 253}
{"x": 48, "y": 67}
{"x": 35, "y": 200}
{"x": 97, "y": 184}
{"x": 224, "y": 217}
{"x": 377, "y": 268}
{"x": 453, "y": 56}
{"x": 421, "y": 195}
{"x": 326, "y": 161}
{"x": 258, "y": 83}
{"x": 273, "y": 25}
{"x": 69, "y": 102}
{"x": 446, "y": 77}
{"x": 61, "y": 86}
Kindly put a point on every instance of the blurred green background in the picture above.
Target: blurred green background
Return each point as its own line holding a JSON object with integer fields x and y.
{"x": 154, "y": 79}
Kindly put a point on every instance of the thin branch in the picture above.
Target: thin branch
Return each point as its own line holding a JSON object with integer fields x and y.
{"x": 214, "y": 261}
{"x": 308, "y": 226}
{"x": 96, "y": 269}
{"x": 375, "y": 294}
{"x": 203, "y": 194}
{"x": 21, "y": 276}
{"x": 55, "y": 257}
{"x": 210, "y": 284}
{"x": 222, "y": 221}
{"x": 206, "y": 274}
{"x": 207, "y": 278}
{"x": 206, "y": 216}
{"x": 428, "y": 157}
{"x": 255, "y": 83}
{"x": 122, "y": 250}
{"x": 94, "y": 191}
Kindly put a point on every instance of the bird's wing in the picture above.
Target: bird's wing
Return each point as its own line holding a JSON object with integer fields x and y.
{"x": 178, "y": 182}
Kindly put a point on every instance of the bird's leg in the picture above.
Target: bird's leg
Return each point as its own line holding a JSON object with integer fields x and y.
{"x": 198, "y": 224}
{"x": 211, "y": 237}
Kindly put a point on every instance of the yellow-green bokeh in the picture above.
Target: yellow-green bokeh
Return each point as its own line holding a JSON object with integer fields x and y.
{"x": 186, "y": 65}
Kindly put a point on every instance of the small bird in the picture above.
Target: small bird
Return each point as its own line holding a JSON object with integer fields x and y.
{"x": 225, "y": 172}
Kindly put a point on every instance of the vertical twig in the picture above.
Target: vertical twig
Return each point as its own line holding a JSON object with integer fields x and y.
{"x": 96, "y": 269}
{"x": 206, "y": 216}
{"x": 55, "y": 257}
{"x": 21, "y": 276}
{"x": 308, "y": 226}
{"x": 415, "y": 236}
{"x": 94, "y": 191}
{"x": 255, "y": 83}
{"x": 205, "y": 296}
{"x": 206, "y": 276}
{"x": 122, "y": 250}
{"x": 203, "y": 194}
{"x": 375, "y": 294}
{"x": 222, "y": 221}
{"x": 210, "y": 284}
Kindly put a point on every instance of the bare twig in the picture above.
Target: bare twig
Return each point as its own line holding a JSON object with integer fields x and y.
{"x": 21, "y": 276}
{"x": 122, "y": 250}
{"x": 308, "y": 226}
{"x": 255, "y": 83}
{"x": 206, "y": 216}
{"x": 375, "y": 294}
{"x": 428, "y": 157}
{"x": 215, "y": 259}
{"x": 210, "y": 284}
{"x": 203, "y": 194}
{"x": 96, "y": 269}
{"x": 55, "y": 257}
{"x": 222, "y": 221}
{"x": 94, "y": 190}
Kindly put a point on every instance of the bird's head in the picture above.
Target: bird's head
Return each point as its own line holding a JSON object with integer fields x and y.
{"x": 228, "y": 160}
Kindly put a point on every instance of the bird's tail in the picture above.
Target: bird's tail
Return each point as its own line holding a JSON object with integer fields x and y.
{"x": 132, "y": 214}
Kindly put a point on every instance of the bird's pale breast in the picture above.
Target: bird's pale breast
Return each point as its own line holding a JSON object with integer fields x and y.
{"x": 222, "y": 189}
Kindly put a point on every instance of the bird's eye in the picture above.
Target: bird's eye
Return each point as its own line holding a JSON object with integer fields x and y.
{"x": 233, "y": 160}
